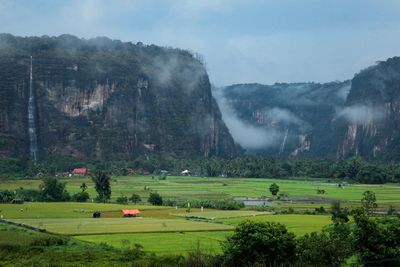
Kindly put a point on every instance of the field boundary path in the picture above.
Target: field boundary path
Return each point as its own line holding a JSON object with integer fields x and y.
{"x": 29, "y": 227}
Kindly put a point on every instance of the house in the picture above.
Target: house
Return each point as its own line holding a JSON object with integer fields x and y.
{"x": 185, "y": 172}
{"x": 131, "y": 213}
{"x": 80, "y": 171}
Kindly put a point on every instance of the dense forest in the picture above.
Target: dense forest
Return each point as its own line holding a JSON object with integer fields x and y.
{"x": 354, "y": 169}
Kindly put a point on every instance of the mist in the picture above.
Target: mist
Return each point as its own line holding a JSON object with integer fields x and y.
{"x": 361, "y": 114}
{"x": 245, "y": 134}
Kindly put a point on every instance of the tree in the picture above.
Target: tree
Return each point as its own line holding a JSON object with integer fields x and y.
{"x": 330, "y": 247}
{"x": 81, "y": 196}
{"x": 102, "y": 185}
{"x": 122, "y": 200}
{"x": 155, "y": 199}
{"x": 135, "y": 198}
{"x": 339, "y": 215}
{"x": 265, "y": 244}
{"x": 274, "y": 189}
{"x": 369, "y": 201}
{"x": 83, "y": 187}
{"x": 53, "y": 190}
{"x": 376, "y": 241}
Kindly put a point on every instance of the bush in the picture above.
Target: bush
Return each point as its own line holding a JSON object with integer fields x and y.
{"x": 155, "y": 199}
{"x": 53, "y": 190}
{"x": 49, "y": 241}
{"x": 135, "y": 198}
{"x": 122, "y": 200}
{"x": 331, "y": 247}
{"x": 266, "y": 244}
{"x": 81, "y": 197}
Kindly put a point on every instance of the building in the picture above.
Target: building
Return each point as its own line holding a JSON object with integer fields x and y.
{"x": 185, "y": 172}
{"x": 131, "y": 213}
{"x": 80, "y": 171}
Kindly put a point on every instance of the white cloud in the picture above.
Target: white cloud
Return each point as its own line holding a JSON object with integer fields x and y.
{"x": 361, "y": 114}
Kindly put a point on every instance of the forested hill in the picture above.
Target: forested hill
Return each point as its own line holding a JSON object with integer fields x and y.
{"x": 105, "y": 99}
{"x": 338, "y": 119}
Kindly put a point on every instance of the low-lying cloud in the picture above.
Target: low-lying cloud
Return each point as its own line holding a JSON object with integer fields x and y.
{"x": 361, "y": 114}
{"x": 245, "y": 134}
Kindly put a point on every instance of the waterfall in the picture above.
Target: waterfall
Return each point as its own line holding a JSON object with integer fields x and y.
{"x": 33, "y": 148}
{"x": 283, "y": 142}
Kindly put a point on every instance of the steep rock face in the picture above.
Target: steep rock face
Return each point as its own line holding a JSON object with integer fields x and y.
{"x": 371, "y": 118}
{"x": 103, "y": 99}
{"x": 338, "y": 120}
{"x": 290, "y": 119}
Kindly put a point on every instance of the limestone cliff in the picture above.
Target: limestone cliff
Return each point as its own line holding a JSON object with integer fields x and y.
{"x": 108, "y": 100}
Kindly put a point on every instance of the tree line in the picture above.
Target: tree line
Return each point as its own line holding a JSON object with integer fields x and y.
{"x": 353, "y": 169}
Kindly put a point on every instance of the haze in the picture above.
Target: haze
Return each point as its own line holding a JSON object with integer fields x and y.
{"x": 241, "y": 41}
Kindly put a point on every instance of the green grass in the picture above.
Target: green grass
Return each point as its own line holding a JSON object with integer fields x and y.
{"x": 77, "y": 226}
{"x": 63, "y": 209}
{"x": 11, "y": 235}
{"x": 296, "y": 223}
{"x": 183, "y": 187}
{"x": 164, "y": 243}
{"x": 217, "y": 214}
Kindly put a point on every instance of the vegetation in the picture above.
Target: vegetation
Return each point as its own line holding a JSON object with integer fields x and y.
{"x": 102, "y": 185}
{"x": 267, "y": 244}
{"x": 274, "y": 189}
{"x": 53, "y": 190}
{"x": 135, "y": 198}
{"x": 353, "y": 169}
{"x": 155, "y": 199}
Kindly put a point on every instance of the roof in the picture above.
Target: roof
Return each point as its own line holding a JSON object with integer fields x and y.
{"x": 80, "y": 170}
{"x": 130, "y": 212}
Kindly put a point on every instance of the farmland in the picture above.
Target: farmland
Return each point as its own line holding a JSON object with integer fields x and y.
{"x": 187, "y": 188}
{"x": 172, "y": 230}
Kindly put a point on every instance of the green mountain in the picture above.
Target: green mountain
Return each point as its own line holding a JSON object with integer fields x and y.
{"x": 338, "y": 119}
{"x": 105, "y": 99}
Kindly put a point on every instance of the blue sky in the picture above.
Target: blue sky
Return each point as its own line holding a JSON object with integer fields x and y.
{"x": 241, "y": 40}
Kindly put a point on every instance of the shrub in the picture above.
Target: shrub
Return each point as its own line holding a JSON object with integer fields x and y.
{"x": 266, "y": 244}
{"x": 81, "y": 197}
{"x": 122, "y": 200}
{"x": 135, "y": 198}
{"x": 155, "y": 199}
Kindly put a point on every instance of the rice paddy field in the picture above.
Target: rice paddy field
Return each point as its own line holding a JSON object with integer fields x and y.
{"x": 186, "y": 188}
{"x": 170, "y": 230}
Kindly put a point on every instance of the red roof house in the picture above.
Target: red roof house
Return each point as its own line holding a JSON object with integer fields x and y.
{"x": 80, "y": 171}
{"x": 131, "y": 213}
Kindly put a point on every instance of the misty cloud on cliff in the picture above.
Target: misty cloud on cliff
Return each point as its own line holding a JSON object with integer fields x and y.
{"x": 361, "y": 114}
{"x": 280, "y": 115}
{"x": 245, "y": 134}
{"x": 174, "y": 66}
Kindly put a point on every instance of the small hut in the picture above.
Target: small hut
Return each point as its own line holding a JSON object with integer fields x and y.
{"x": 80, "y": 171}
{"x": 185, "y": 172}
{"x": 131, "y": 213}
{"x": 96, "y": 214}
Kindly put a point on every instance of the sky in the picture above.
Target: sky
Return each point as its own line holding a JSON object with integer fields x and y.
{"x": 241, "y": 41}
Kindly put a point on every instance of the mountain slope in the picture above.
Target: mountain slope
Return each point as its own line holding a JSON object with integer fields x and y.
{"x": 338, "y": 119}
{"x": 104, "y": 99}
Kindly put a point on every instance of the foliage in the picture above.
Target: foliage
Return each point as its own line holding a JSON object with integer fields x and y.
{"x": 267, "y": 244}
{"x": 135, "y": 198}
{"x": 331, "y": 247}
{"x": 274, "y": 189}
{"x": 122, "y": 200}
{"x": 53, "y": 190}
{"x": 377, "y": 241}
{"x": 102, "y": 185}
{"x": 369, "y": 201}
{"x": 81, "y": 196}
{"x": 155, "y": 199}
{"x": 339, "y": 215}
